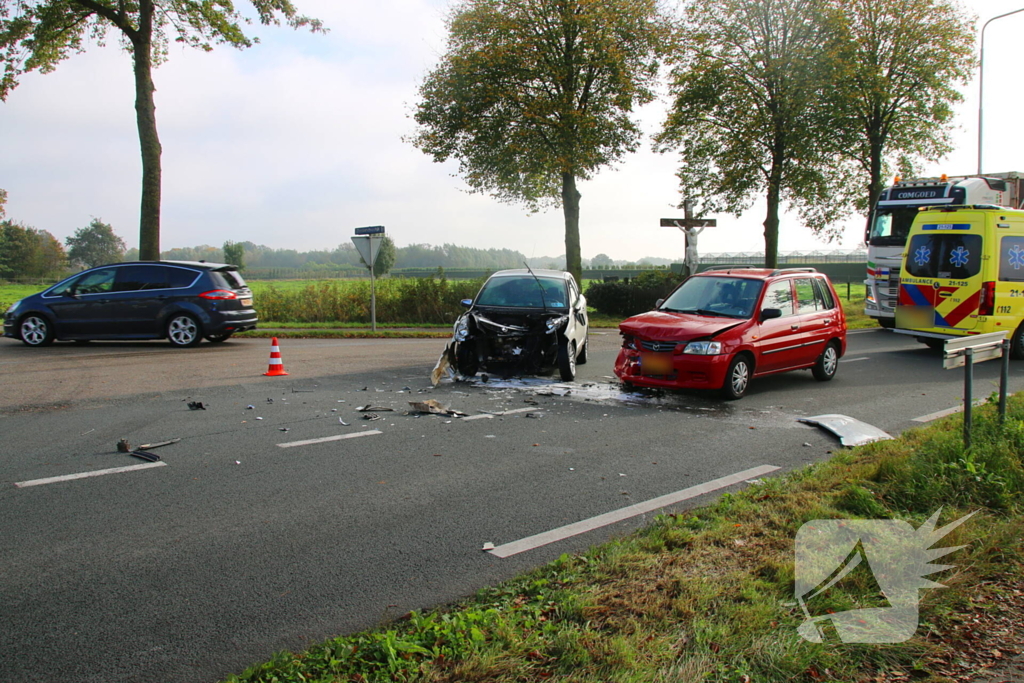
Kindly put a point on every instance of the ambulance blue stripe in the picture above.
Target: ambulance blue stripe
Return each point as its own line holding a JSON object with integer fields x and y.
{"x": 916, "y": 295}
{"x": 946, "y": 226}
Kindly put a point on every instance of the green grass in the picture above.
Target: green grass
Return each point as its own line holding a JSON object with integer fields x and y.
{"x": 11, "y": 293}
{"x": 707, "y": 595}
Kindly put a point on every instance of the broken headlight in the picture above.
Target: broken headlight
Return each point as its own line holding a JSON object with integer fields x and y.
{"x": 557, "y": 323}
{"x": 461, "y": 329}
{"x": 703, "y": 348}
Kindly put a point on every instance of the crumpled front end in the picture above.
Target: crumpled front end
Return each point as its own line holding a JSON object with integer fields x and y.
{"x": 508, "y": 344}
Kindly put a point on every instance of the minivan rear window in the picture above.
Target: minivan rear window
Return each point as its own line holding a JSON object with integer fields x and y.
{"x": 944, "y": 255}
{"x": 228, "y": 279}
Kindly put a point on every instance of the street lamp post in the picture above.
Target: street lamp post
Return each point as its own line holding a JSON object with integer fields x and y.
{"x": 981, "y": 78}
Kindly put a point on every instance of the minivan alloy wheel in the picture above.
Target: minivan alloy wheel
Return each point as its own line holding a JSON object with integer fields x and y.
{"x": 183, "y": 330}
{"x": 35, "y": 331}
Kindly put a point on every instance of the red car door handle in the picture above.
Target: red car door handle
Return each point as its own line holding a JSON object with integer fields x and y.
{"x": 794, "y": 327}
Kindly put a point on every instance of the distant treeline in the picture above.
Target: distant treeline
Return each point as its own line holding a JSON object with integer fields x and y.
{"x": 259, "y": 257}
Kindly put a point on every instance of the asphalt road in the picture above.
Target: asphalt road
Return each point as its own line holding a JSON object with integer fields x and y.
{"x": 235, "y": 547}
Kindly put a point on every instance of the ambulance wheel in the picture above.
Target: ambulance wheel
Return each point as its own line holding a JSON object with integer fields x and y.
{"x": 1017, "y": 343}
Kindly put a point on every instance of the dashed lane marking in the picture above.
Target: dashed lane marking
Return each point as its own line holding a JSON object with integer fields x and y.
{"x": 336, "y": 437}
{"x": 84, "y": 475}
{"x": 614, "y": 516}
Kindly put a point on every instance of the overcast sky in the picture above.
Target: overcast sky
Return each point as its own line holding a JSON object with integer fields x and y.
{"x": 297, "y": 141}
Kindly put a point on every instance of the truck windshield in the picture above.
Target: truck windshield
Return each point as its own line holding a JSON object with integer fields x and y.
{"x": 891, "y": 226}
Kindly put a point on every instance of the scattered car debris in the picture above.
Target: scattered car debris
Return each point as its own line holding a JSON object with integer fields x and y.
{"x": 250, "y": 407}
{"x": 145, "y": 455}
{"x": 488, "y": 546}
{"x": 343, "y": 422}
{"x": 372, "y": 416}
{"x": 851, "y": 432}
{"x": 434, "y": 407}
{"x": 158, "y": 444}
{"x": 283, "y": 429}
{"x": 270, "y": 400}
{"x": 196, "y": 405}
{"x": 370, "y": 409}
{"x": 123, "y": 446}
{"x": 535, "y": 416}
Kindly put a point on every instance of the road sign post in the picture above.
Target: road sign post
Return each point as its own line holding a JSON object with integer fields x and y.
{"x": 368, "y": 241}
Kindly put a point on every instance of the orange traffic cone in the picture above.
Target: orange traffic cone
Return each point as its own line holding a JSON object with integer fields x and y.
{"x": 276, "y": 368}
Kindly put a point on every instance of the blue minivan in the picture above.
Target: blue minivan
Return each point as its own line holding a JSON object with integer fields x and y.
{"x": 181, "y": 301}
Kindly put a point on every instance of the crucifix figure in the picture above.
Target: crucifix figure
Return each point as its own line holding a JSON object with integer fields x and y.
{"x": 691, "y": 227}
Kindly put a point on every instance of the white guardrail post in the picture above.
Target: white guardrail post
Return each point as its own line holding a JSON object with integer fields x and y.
{"x": 966, "y": 351}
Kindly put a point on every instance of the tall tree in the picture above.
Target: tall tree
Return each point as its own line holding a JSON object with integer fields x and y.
{"x": 533, "y": 95}
{"x": 38, "y": 34}
{"x": 234, "y": 253}
{"x": 747, "y": 112}
{"x": 29, "y": 253}
{"x": 95, "y": 245}
{"x": 899, "y": 65}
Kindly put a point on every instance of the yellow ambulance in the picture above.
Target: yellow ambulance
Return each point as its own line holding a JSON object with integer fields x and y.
{"x": 963, "y": 274}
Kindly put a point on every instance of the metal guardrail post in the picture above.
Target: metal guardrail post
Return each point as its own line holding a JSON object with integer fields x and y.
{"x": 968, "y": 395}
{"x": 1004, "y": 378}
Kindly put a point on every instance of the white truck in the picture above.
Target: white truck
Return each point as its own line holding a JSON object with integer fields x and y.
{"x": 894, "y": 212}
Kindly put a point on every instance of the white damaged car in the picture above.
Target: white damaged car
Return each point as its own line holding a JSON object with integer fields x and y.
{"x": 522, "y": 322}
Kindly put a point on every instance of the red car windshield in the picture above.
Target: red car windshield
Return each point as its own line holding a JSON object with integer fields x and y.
{"x": 729, "y": 297}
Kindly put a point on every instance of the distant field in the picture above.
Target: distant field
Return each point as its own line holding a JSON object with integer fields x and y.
{"x": 11, "y": 293}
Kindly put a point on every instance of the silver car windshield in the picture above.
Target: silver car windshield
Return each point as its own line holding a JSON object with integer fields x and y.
{"x": 523, "y": 292}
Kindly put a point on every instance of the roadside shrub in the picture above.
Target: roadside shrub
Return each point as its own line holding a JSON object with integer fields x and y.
{"x": 426, "y": 300}
{"x": 629, "y": 298}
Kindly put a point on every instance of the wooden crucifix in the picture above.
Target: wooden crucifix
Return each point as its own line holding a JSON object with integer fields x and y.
{"x": 691, "y": 227}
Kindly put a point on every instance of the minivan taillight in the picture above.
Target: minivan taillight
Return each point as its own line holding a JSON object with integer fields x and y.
{"x": 988, "y": 298}
{"x": 218, "y": 294}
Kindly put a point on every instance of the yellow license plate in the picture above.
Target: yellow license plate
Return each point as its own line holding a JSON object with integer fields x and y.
{"x": 247, "y": 302}
{"x": 656, "y": 364}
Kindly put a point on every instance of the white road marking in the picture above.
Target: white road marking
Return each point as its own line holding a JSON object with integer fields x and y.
{"x": 854, "y": 360}
{"x": 336, "y": 437}
{"x": 84, "y": 475}
{"x": 493, "y": 415}
{"x": 949, "y": 411}
{"x": 614, "y": 516}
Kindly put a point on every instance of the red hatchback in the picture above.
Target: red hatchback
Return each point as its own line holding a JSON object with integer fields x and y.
{"x": 720, "y": 328}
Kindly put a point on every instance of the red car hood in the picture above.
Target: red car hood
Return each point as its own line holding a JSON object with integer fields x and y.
{"x": 665, "y": 326}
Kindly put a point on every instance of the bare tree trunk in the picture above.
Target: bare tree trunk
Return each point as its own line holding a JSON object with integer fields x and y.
{"x": 875, "y": 182}
{"x": 571, "y": 209}
{"x": 149, "y": 141}
{"x": 771, "y": 222}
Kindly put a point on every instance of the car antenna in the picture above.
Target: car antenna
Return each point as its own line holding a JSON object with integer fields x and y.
{"x": 543, "y": 300}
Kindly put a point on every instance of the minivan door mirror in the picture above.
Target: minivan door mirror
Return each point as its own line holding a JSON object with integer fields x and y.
{"x": 769, "y": 313}
{"x": 467, "y": 302}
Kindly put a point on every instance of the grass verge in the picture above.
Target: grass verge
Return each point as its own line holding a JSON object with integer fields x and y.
{"x": 707, "y": 595}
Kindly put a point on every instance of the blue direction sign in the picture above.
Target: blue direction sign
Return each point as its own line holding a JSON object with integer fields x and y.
{"x": 371, "y": 230}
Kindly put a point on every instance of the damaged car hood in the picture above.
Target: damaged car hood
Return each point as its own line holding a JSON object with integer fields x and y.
{"x": 511, "y": 323}
{"x": 666, "y": 326}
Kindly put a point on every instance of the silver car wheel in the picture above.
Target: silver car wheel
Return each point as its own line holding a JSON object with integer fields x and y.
{"x": 831, "y": 360}
{"x": 33, "y": 330}
{"x": 740, "y": 378}
{"x": 182, "y": 330}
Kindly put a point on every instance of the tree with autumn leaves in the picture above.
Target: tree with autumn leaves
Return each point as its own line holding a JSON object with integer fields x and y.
{"x": 39, "y": 34}
{"x": 534, "y": 95}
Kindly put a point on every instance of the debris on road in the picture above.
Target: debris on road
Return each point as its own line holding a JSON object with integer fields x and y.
{"x": 196, "y": 405}
{"x": 488, "y": 546}
{"x": 372, "y": 416}
{"x": 535, "y": 416}
{"x": 434, "y": 407}
{"x": 123, "y": 446}
{"x": 158, "y": 444}
{"x": 370, "y": 409}
{"x": 343, "y": 422}
{"x": 851, "y": 432}
{"x": 145, "y": 455}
